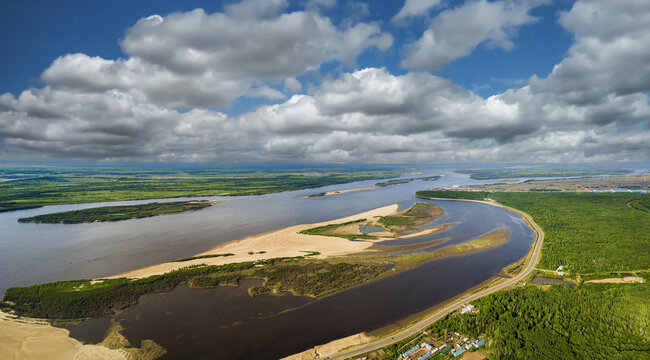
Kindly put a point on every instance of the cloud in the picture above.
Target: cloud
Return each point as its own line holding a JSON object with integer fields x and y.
{"x": 591, "y": 107}
{"x": 610, "y": 56}
{"x": 413, "y": 8}
{"x": 241, "y": 48}
{"x": 194, "y": 59}
{"x": 454, "y": 33}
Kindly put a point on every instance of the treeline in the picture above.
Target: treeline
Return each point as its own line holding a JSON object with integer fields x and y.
{"x": 486, "y": 174}
{"x": 404, "y": 181}
{"x": 595, "y": 321}
{"x": 585, "y": 232}
{"x": 86, "y": 298}
{"x": 117, "y": 213}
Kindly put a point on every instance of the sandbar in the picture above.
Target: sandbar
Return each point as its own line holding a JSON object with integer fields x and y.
{"x": 285, "y": 242}
{"x": 337, "y": 192}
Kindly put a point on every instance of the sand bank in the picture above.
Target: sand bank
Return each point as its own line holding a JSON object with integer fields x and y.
{"x": 341, "y": 192}
{"x": 24, "y": 338}
{"x": 280, "y": 243}
{"x": 429, "y": 231}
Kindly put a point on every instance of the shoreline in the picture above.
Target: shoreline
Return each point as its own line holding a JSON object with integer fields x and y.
{"x": 338, "y": 192}
{"x": 286, "y": 242}
{"x": 437, "y": 312}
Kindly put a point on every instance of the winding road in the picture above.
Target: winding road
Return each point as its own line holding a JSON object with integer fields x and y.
{"x": 420, "y": 326}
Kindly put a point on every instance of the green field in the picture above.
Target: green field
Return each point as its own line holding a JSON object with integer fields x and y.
{"x": 117, "y": 213}
{"x": 50, "y": 185}
{"x": 486, "y": 174}
{"x": 585, "y": 232}
{"x": 86, "y": 298}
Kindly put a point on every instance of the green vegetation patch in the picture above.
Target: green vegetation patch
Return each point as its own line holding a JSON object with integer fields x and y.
{"x": 594, "y": 321}
{"x": 418, "y": 214}
{"x": 486, "y": 174}
{"x": 585, "y": 232}
{"x": 317, "y": 194}
{"x": 331, "y": 230}
{"x": 404, "y": 181}
{"x": 203, "y": 257}
{"x": 641, "y": 205}
{"x": 117, "y": 213}
{"x": 86, "y": 298}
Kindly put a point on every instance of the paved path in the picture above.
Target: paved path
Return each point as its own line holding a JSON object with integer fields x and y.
{"x": 420, "y": 326}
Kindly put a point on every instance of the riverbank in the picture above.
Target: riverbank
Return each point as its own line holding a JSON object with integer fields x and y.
{"x": 496, "y": 284}
{"x": 287, "y": 242}
{"x": 24, "y": 338}
{"x": 329, "y": 193}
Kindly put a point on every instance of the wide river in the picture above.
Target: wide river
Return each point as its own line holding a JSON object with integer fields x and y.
{"x": 225, "y": 322}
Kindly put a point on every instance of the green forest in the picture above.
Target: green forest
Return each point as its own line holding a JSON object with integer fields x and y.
{"x": 585, "y": 232}
{"x": 30, "y": 186}
{"x": 594, "y": 321}
{"x": 87, "y": 298}
{"x": 117, "y": 213}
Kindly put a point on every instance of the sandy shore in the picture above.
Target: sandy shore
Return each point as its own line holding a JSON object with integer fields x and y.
{"x": 343, "y": 191}
{"x": 279, "y": 243}
{"x": 24, "y": 338}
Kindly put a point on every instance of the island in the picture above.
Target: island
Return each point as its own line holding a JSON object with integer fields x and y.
{"x": 119, "y": 213}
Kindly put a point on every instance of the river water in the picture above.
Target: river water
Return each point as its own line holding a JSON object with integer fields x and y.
{"x": 227, "y": 323}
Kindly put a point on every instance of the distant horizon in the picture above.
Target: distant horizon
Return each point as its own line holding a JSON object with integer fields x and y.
{"x": 245, "y": 165}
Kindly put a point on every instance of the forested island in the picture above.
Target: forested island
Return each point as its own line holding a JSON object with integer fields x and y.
{"x": 118, "y": 213}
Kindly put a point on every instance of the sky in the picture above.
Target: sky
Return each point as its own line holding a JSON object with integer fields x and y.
{"x": 325, "y": 81}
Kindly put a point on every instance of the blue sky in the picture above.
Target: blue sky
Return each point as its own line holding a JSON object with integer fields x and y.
{"x": 94, "y": 27}
{"x": 483, "y": 83}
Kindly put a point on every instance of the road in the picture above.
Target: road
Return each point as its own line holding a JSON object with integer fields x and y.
{"x": 420, "y": 326}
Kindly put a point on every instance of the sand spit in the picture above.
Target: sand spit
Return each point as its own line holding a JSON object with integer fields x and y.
{"x": 280, "y": 243}
{"x": 24, "y": 338}
{"x": 342, "y": 192}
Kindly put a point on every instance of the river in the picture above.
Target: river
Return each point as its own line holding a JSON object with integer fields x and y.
{"x": 227, "y": 323}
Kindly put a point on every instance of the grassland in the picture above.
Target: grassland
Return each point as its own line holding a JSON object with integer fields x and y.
{"x": 88, "y": 298}
{"x": 418, "y": 214}
{"x": 334, "y": 231}
{"x": 491, "y": 239}
{"x": 118, "y": 213}
{"x": 585, "y": 232}
{"x": 487, "y": 174}
{"x": 47, "y": 185}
